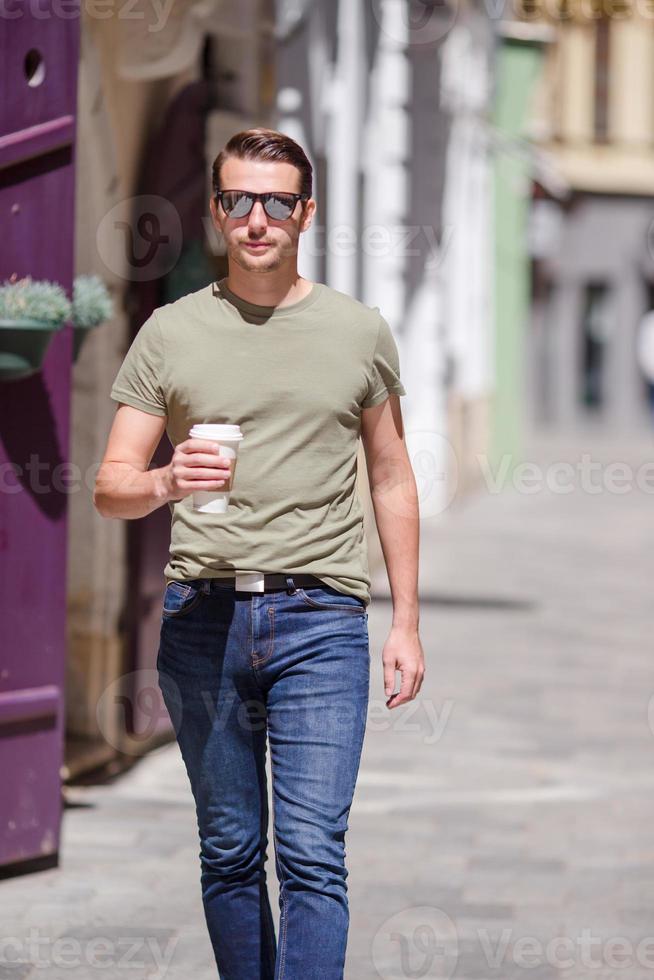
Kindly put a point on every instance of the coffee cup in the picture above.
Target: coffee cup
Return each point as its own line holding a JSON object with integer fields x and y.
{"x": 228, "y": 438}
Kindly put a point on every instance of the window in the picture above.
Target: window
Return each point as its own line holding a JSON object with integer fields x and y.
{"x": 596, "y": 329}
{"x": 602, "y": 80}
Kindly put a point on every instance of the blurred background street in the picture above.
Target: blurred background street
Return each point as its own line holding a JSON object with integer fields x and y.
{"x": 484, "y": 174}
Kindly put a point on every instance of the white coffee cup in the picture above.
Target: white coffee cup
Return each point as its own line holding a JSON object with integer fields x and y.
{"x": 228, "y": 438}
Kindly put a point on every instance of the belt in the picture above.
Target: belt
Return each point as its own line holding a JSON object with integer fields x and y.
{"x": 265, "y": 581}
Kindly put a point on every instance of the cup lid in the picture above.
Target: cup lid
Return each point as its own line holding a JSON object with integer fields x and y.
{"x": 211, "y": 430}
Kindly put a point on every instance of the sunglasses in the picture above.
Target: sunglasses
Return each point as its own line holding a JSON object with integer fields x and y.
{"x": 277, "y": 204}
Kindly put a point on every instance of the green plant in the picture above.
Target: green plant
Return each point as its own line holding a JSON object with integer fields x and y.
{"x": 92, "y": 303}
{"x": 31, "y": 312}
{"x": 29, "y": 299}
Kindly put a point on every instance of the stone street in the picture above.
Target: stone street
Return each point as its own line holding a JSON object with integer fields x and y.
{"x": 503, "y": 822}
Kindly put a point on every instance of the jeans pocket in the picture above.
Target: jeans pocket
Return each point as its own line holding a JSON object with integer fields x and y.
{"x": 325, "y": 597}
{"x": 181, "y": 598}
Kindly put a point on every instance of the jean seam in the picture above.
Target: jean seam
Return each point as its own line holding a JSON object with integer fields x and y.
{"x": 178, "y": 613}
{"x": 184, "y": 586}
{"x": 262, "y": 660}
{"x": 270, "y": 933}
{"x": 251, "y": 629}
{"x": 281, "y": 948}
{"x": 327, "y": 606}
{"x": 365, "y": 730}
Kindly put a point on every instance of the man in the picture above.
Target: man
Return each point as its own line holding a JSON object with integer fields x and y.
{"x": 264, "y": 623}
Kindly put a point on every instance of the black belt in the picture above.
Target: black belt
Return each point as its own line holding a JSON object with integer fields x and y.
{"x": 272, "y": 581}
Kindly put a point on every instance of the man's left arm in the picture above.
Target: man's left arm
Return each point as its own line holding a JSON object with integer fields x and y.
{"x": 395, "y": 502}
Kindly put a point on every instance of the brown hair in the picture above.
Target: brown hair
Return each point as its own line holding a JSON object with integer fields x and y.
{"x": 265, "y": 144}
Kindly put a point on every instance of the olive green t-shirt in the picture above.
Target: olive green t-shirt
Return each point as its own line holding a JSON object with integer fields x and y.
{"x": 295, "y": 379}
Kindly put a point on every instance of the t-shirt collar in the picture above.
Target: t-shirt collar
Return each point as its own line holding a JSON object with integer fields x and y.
{"x": 221, "y": 289}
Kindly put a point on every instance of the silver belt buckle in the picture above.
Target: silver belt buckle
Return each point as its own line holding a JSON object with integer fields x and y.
{"x": 249, "y": 582}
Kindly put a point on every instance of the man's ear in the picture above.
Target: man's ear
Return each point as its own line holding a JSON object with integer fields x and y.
{"x": 308, "y": 212}
{"x": 215, "y": 210}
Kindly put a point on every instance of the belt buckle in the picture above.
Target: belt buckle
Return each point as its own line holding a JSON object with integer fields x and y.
{"x": 250, "y": 582}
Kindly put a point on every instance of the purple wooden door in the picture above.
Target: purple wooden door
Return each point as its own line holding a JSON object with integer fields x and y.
{"x": 38, "y": 82}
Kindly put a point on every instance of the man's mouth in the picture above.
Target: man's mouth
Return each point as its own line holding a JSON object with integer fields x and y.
{"x": 257, "y": 245}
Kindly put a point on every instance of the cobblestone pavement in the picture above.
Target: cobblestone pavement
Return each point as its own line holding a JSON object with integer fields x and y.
{"x": 503, "y": 823}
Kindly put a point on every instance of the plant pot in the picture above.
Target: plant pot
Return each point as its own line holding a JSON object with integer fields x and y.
{"x": 23, "y": 346}
{"x": 79, "y": 335}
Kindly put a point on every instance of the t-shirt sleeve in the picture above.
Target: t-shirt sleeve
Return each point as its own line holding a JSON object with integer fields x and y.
{"x": 384, "y": 370}
{"x": 139, "y": 380}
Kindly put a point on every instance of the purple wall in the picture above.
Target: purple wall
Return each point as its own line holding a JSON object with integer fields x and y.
{"x": 37, "y": 130}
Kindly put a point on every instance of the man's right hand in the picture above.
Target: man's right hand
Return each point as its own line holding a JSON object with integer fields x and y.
{"x": 196, "y": 465}
{"x": 126, "y": 488}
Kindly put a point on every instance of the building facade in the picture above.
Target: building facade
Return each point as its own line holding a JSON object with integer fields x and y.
{"x": 593, "y": 250}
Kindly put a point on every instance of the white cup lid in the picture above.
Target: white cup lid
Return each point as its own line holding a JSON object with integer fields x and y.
{"x": 210, "y": 430}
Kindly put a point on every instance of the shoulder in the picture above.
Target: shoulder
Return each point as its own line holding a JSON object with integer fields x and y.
{"x": 185, "y": 308}
{"x": 368, "y": 317}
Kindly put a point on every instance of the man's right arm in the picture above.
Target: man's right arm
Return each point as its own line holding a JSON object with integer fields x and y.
{"x": 124, "y": 486}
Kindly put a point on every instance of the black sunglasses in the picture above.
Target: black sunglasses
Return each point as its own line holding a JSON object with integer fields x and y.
{"x": 277, "y": 204}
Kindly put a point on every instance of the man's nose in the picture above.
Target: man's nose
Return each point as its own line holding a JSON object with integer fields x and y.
{"x": 258, "y": 217}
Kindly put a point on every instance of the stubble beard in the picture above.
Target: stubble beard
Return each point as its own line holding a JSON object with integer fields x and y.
{"x": 268, "y": 261}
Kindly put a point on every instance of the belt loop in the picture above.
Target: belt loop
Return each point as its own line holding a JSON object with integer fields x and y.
{"x": 290, "y": 585}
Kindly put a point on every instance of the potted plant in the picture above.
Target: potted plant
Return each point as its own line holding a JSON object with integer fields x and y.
{"x": 31, "y": 312}
{"x": 91, "y": 306}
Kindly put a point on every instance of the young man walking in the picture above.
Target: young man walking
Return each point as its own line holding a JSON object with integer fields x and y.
{"x": 264, "y": 622}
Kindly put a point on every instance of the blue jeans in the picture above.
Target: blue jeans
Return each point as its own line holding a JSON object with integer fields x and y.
{"x": 238, "y": 670}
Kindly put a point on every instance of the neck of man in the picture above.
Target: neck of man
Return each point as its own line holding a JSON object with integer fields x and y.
{"x": 279, "y": 287}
